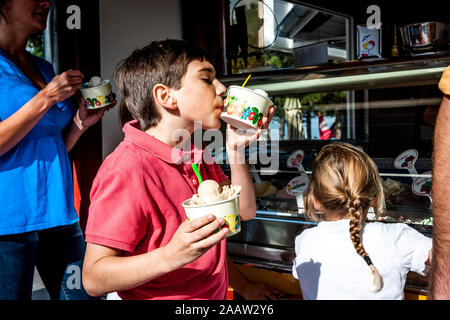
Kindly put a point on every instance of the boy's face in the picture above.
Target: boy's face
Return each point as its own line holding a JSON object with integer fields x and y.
{"x": 200, "y": 95}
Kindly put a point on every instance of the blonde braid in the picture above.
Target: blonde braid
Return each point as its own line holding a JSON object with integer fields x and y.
{"x": 356, "y": 224}
{"x": 346, "y": 181}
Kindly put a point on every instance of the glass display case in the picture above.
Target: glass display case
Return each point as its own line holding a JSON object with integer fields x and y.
{"x": 386, "y": 106}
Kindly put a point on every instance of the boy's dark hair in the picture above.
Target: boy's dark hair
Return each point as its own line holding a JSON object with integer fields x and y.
{"x": 162, "y": 62}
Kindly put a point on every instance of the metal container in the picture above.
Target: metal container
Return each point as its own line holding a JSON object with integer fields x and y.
{"x": 268, "y": 240}
{"x": 424, "y": 37}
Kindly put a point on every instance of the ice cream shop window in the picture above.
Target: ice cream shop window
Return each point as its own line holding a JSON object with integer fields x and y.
{"x": 314, "y": 116}
{"x": 393, "y": 125}
{"x": 381, "y": 121}
{"x": 387, "y": 109}
{"x": 276, "y": 34}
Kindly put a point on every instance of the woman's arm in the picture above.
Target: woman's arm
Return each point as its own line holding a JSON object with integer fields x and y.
{"x": 16, "y": 127}
{"x": 82, "y": 120}
{"x": 74, "y": 132}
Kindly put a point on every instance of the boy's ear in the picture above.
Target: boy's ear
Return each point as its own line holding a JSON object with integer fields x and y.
{"x": 164, "y": 96}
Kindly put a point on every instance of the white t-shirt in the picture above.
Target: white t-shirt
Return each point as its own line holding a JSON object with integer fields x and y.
{"x": 328, "y": 266}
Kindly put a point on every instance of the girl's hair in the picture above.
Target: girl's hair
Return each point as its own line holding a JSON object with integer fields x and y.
{"x": 345, "y": 179}
{"x": 163, "y": 62}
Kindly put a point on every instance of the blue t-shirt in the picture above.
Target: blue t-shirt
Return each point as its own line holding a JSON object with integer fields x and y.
{"x": 36, "y": 186}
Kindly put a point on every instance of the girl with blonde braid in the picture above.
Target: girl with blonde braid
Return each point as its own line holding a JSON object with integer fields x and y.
{"x": 344, "y": 257}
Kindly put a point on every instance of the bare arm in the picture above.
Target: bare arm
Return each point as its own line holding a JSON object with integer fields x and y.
{"x": 250, "y": 290}
{"x": 440, "y": 276}
{"x": 105, "y": 270}
{"x": 429, "y": 261}
{"x": 240, "y": 172}
{"x": 82, "y": 120}
{"x": 74, "y": 133}
{"x": 240, "y": 175}
{"x": 17, "y": 126}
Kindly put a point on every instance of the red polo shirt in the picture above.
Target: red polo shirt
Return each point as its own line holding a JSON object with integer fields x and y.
{"x": 136, "y": 207}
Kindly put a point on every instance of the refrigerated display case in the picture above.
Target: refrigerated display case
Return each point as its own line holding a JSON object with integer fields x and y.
{"x": 385, "y": 106}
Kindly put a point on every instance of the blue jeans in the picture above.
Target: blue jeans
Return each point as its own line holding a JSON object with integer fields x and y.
{"x": 58, "y": 255}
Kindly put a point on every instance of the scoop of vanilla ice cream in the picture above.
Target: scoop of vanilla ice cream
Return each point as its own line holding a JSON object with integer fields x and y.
{"x": 209, "y": 188}
{"x": 261, "y": 92}
{"x": 210, "y": 191}
{"x": 95, "y": 81}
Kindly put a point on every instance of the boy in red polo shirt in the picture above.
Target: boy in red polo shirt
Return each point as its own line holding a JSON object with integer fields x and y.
{"x": 139, "y": 241}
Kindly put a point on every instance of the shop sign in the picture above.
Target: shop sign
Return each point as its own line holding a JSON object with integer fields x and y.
{"x": 422, "y": 184}
{"x": 406, "y": 160}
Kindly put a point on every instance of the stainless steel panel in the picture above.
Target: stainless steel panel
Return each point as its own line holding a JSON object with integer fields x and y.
{"x": 267, "y": 241}
{"x": 270, "y": 230}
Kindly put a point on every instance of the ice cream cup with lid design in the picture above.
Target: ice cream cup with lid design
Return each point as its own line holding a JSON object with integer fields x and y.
{"x": 97, "y": 93}
{"x": 246, "y": 108}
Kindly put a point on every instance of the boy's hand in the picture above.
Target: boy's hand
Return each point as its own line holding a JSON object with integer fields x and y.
{"x": 238, "y": 139}
{"x": 193, "y": 239}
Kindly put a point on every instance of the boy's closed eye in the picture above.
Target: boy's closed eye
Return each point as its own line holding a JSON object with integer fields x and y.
{"x": 207, "y": 75}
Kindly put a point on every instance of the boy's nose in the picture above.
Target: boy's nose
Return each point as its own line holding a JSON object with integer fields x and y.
{"x": 220, "y": 88}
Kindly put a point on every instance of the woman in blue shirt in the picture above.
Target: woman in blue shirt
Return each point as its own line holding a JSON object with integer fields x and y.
{"x": 38, "y": 222}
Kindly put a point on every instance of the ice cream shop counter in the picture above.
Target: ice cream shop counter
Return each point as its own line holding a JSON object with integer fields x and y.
{"x": 386, "y": 107}
{"x": 264, "y": 250}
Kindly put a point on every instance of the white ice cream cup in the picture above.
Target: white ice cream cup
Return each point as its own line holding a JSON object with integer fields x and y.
{"x": 99, "y": 96}
{"x": 226, "y": 209}
{"x": 245, "y": 108}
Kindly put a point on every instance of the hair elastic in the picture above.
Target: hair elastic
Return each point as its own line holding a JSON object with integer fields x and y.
{"x": 368, "y": 261}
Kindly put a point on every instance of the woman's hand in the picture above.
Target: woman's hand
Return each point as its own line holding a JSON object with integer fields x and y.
{"x": 84, "y": 118}
{"x": 63, "y": 86}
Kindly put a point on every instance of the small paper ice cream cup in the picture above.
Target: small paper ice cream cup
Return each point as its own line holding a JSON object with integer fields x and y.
{"x": 226, "y": 209}
{"x": 245, "y": 108}
{"x": 97, "y": 96}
